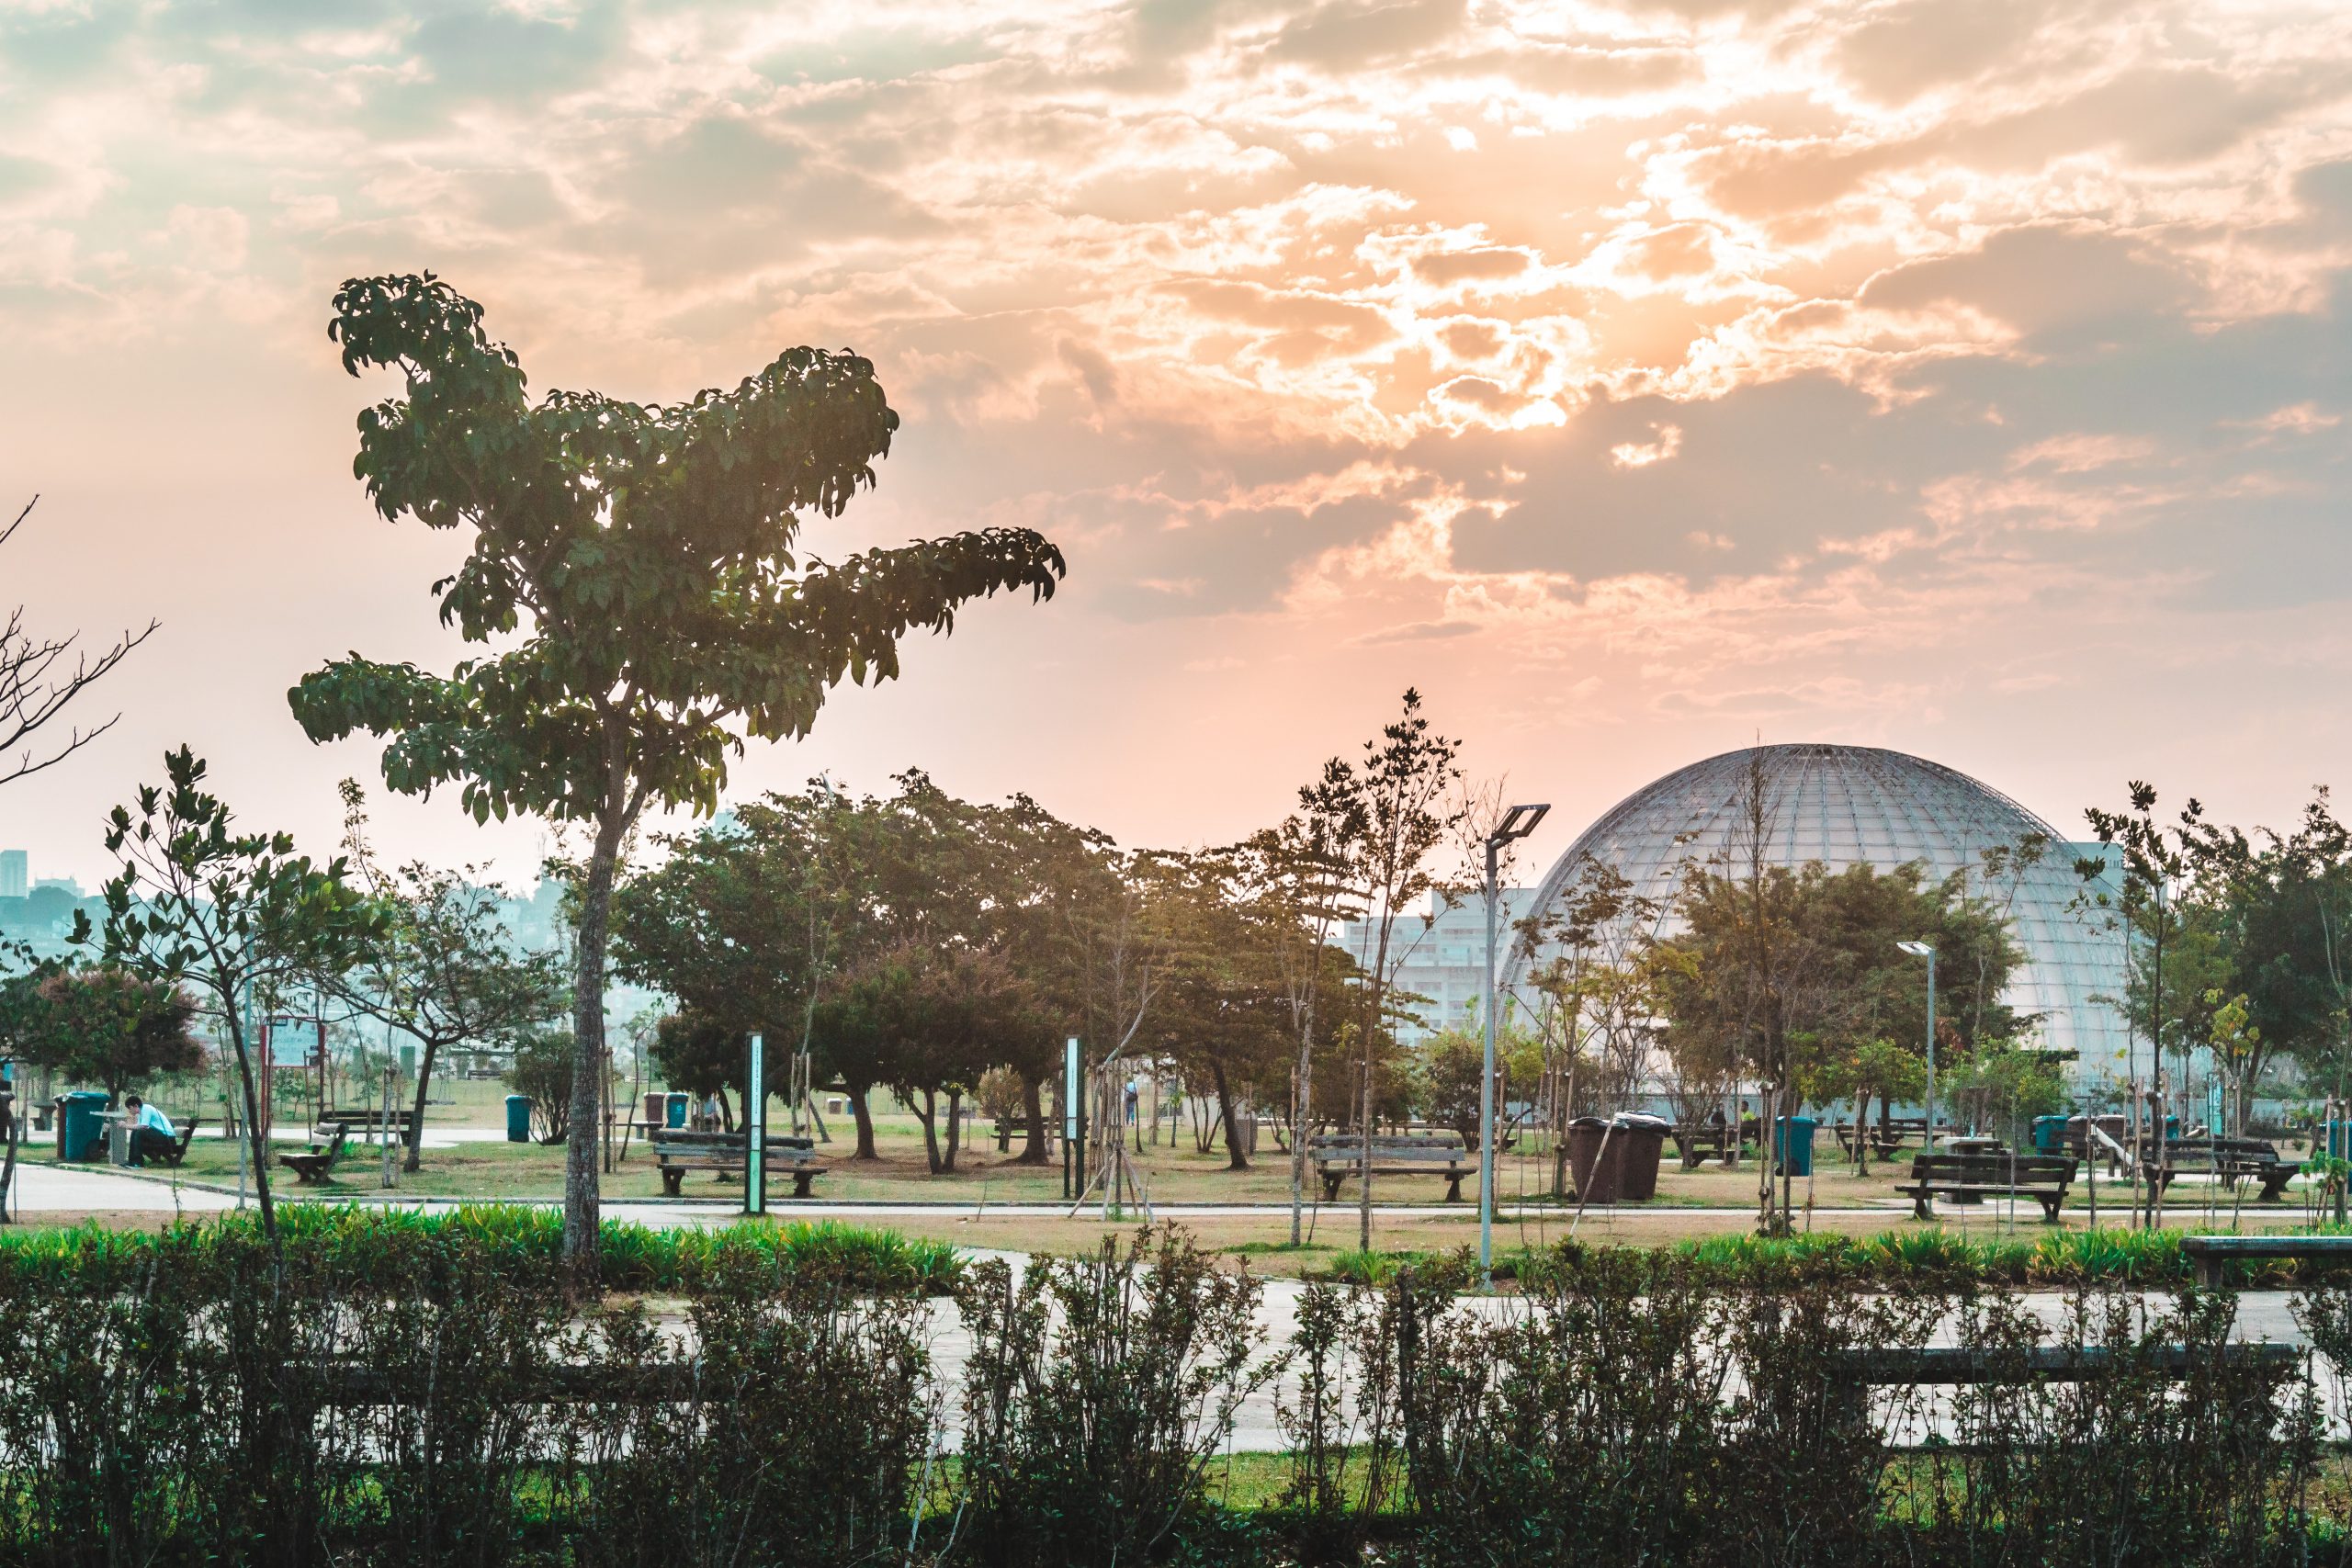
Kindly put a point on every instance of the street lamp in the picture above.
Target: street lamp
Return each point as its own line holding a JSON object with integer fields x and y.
{"x": 1922, "y": 950}
{"x": 1516, "y": 823}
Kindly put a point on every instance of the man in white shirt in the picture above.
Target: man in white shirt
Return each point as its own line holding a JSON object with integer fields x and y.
{"x": 152, "y": 1132}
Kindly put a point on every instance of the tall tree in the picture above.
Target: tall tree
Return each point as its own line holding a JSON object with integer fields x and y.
{"x": 236, "y": 916}
{"x": 640, "y": 562}
{"x": 1224, "y": 1016}
{"x": 38, "y": 684}
{"x": 1771, "y": 969}
{"x": 745, "y": 923}
{"x": 444, "y": 970}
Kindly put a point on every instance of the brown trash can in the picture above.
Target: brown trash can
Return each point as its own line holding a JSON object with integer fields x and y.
{"x": 1596, "y": 1175}
{"x": 1634, "y": 1146}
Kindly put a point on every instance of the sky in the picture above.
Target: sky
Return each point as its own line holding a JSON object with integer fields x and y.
{"x": 1967, "y": 377}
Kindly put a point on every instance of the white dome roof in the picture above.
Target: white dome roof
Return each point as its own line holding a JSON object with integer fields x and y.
{"x": 1858, "y": 805}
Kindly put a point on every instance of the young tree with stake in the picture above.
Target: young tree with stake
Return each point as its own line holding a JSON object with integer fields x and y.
{"x": 234, "y": 916}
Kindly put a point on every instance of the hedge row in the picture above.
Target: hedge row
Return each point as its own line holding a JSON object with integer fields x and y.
{"x": 419, "y": 1393}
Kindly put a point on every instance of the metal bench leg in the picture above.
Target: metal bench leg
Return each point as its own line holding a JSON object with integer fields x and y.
{"x": 2208, "y": 1273}
{"x": 670, "y": 1179}
{"x": 2049, "y": 1211}
{"x": 1920, "y": 1211}
{"x": 1330, "y": 1190}
{"x": 800, "y": 1181}
{"x": 1454, "y": 1189}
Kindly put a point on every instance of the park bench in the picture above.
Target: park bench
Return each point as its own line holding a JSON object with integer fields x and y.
{"x": 365, "y": 1124}
{"x": 728, "y": 1152}
{"x": 2208, "y": 1253}
{"x": 311, "y": 1167}
{"x": 180, "y": 1141}
{"x": 1007, "y": 1128}
{"x": 1969, "y": 1179}
{"x": 1341, "y": 1156}
{"x": 2231, "y": 1160}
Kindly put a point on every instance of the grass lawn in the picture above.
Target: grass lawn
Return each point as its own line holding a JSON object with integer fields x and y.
{"x": 1834, "y": 1199}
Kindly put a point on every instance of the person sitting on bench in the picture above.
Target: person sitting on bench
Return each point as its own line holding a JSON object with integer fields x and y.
{"x": 151, "y": 1130}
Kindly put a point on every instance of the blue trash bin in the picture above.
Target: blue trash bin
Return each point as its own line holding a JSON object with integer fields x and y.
{"x": 2049, "y": 1134}
{"x": 1792, "y": 1143}
{"x": 518, "y": 1118}
{"x": 678, "y": 1098}
{"x": 2339, "y": 1139}
{"x": 84, "y": 1136}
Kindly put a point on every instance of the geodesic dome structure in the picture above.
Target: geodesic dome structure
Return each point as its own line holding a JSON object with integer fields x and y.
{"x": 1852, "y": 805}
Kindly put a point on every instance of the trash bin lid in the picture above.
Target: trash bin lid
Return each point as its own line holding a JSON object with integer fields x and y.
{"x": 1641, "y": 1119}
{"x": 1587, "y": 1121}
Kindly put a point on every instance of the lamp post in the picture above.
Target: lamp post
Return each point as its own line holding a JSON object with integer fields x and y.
{"x": 1516, "y": 823}
{"x": 1923, "y": 950}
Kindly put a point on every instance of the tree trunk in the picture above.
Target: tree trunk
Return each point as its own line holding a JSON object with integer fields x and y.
{"x": 582, "y": 1231}
{"x": 726, "y": 1109}
{"x": 930, "y": 1132}
{"x": 1363, "y": 1176}
{"x": 260, "y": 1146}
{"x": 862, "y": 1114}
{"x": 414, "y": 1161}
{"x": 1301, "y": 1113}
{"x": 1235, "y": 1157}
{"x": 1032, "y": 1105}
{"x": 1861, "y": 1134}
{"x": 955, "y": 1129}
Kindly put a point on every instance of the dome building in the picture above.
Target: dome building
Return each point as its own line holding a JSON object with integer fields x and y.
{"x": 1845, "y": 806}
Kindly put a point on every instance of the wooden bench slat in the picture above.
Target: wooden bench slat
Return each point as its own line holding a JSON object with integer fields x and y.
{"x": 781, "y": 1154}
{"x": 2208, "y": 1253}
{"x": 2044, "y": 1178}
{"x": 1339, "y": 1156}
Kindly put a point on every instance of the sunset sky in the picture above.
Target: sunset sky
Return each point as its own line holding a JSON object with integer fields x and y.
{"x": 1970, "y": 377}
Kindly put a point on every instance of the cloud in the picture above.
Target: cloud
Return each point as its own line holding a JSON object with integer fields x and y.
{"x": 1742, "y": 358}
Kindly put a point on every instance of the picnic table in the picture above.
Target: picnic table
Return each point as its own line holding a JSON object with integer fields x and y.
{"x": 1884, "y": 1141}
{"x": 1339, "y": 1156}
{"x": 1695, "y": 1142}
{"x": 726, "y": 1154}
{"x": 1971, "y": 1177}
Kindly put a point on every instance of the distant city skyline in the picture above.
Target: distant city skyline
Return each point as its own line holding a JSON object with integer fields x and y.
{"x": 1637, "y": 383}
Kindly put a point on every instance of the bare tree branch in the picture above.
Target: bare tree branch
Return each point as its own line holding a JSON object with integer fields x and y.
{"x": 36, "y": 685}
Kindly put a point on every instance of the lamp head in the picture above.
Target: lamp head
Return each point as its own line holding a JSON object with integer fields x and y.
{"x": 1917, "y": 949}
{"x": 1516, "y": 823}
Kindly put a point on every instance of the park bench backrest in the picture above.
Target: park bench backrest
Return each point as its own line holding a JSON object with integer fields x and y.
{"x": 680, "y": 1138}
{"x": 794, "y": 1150}
{"x": 1997, "y": 1170}
{"x": 1384, "y": 1145}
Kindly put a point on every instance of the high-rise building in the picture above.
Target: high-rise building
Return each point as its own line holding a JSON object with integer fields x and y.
{"x": 1438, "y": 960}
{"x": 16, "y": 868}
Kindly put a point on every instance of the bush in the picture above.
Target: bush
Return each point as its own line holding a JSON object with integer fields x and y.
{"x": 413, "y": 1390}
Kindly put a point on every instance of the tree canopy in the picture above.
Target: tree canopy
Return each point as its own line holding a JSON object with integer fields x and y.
{"x": 638, "y": 567}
